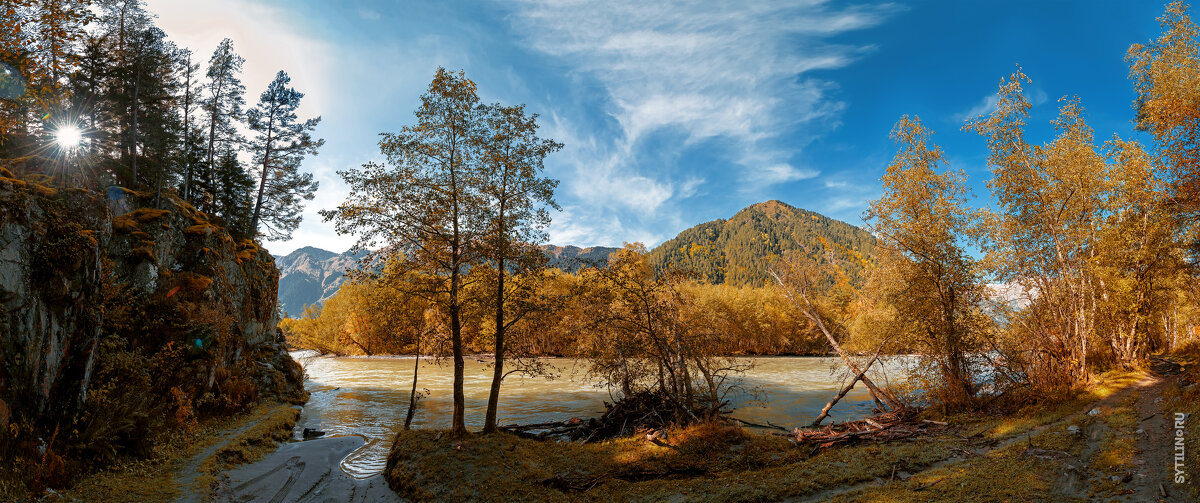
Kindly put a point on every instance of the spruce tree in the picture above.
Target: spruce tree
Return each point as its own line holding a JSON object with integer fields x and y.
{"x": 223, "y": 105}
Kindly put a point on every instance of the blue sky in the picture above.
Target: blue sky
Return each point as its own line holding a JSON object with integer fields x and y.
{"x": 675, "y": 113}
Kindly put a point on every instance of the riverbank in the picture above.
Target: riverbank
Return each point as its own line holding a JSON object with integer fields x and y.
{"x": 1091, "y": 446}
{"x": 183, "y": 465}
{"x": 1066, "y": 451}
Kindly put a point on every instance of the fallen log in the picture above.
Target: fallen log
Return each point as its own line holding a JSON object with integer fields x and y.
{"x": 886, "y": 426}
{"x": 845, "y": 389}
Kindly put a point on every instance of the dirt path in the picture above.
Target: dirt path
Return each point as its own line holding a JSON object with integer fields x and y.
{"x": 187, "y": 475}
{"x": 304, "y": 472}
{"x": 1154, "y": 460}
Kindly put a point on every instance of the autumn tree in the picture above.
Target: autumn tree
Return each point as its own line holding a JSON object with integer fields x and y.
{"x": 517, "y": 196}
{"x": 1052, "y": 203}
{"x": 426, "y": 201}
{"x": 280, "y": 144}
{"x": 922, "y": 221}
{"x": 647, "y": 339}
{"x": 801, "y": 279}
{"x": 1166, "y": 75}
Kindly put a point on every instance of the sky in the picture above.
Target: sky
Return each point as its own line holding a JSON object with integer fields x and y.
{"x": 677, "y": 113}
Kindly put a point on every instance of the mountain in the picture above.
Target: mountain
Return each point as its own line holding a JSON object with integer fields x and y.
{"x": 573, "y": 258}
{"x": 310, "y": 276}
{"x": 738, "y": 251}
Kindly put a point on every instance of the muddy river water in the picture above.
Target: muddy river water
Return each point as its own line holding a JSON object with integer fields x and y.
{"x": 369, "y": 396}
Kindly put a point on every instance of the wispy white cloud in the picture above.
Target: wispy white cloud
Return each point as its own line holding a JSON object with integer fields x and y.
{"x": 987, "y": 104}
{"x": 368, "y": 14}
{"x": 779, "y": 173}
{"x": 735, "y": 72}
{"x": 709, "y": 69}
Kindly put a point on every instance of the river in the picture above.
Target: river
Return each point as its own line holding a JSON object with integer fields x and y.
{"x": 369, "y": 397}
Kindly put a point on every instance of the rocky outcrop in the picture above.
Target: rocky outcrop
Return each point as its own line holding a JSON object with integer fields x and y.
{"x": 85, "y": 274}
{"x": 51, "y": 273}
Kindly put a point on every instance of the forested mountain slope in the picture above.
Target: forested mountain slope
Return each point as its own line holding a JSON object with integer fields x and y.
{"x": 738, "y": 251}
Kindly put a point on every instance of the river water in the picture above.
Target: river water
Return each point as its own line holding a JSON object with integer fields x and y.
{"x": 369, "y": 396}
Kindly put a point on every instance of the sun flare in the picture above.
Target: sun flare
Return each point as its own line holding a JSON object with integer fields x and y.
{"x": 68, "y": 137}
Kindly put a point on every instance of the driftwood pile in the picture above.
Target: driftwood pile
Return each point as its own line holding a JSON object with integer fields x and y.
{"x": 896, "y": 424}
{"x": 631, "y": 414}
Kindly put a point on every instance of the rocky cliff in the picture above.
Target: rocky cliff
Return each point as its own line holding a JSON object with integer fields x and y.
{"x": 126, "y": 314}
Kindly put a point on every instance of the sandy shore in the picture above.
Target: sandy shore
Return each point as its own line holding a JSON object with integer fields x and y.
{"x": 304, "y": 472}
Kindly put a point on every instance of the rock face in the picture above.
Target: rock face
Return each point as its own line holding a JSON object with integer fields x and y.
{"x": 80, "y": 269}
{"x": 51, "y": 271}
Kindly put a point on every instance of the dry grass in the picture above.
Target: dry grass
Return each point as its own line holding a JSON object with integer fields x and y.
{"x": 153, "y": 479}
{"x": 702, "y": 463}
{"x": 713, "y": 463}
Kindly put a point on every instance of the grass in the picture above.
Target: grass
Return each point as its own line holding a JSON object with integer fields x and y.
{"x": 702, "y": 463}
{"x": 1025, "y": 456}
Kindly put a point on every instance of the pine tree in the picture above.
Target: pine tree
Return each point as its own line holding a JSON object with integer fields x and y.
{"x": 281, "y": 142}
{"x": 189, "y": 75}
{"x": 223, "y": 104}
{"x": 233, "y": 185}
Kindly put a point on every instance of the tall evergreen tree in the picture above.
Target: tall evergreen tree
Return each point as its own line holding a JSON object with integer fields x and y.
{"x": 223, "y": 104}
{"x": 280, "y": 144}
{"x": 233, "y": 185}
{"x": 189, "y": 75}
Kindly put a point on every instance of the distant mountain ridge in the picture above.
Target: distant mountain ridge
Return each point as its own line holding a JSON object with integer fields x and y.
{"x": 311, "y": 275}
{"x": 573, "y": 258}
{"x": 739, "y": 250}
{"x": 734, "y": 251}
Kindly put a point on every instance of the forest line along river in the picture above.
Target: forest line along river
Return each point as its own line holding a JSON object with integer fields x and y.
{"x": 368, "y": 396}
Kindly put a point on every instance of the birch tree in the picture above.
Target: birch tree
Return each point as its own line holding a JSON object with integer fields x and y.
{"x": 921, "y": 221}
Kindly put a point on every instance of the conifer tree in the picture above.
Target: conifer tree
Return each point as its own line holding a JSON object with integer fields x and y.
{"x": 223, "y": 105}
{"x": 280, "y": 144}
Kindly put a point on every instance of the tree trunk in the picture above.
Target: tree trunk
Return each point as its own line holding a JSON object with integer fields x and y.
{"x": 846, "y": 389}
{"x": 412, "y": 395}
{"x": 489, "y": 424}
{"x": 458, "y": 422}
{"x": 133, "y": 136}
{"x": 187, "y": 129}
{"x": 262, "y": 182}
{"x": 810, "y": 312}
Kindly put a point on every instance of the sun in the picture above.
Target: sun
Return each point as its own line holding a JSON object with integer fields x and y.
{"x": 68, "y": 137}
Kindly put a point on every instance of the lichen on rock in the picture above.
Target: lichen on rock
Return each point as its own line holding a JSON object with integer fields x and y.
{"x": 124, "y": 315}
